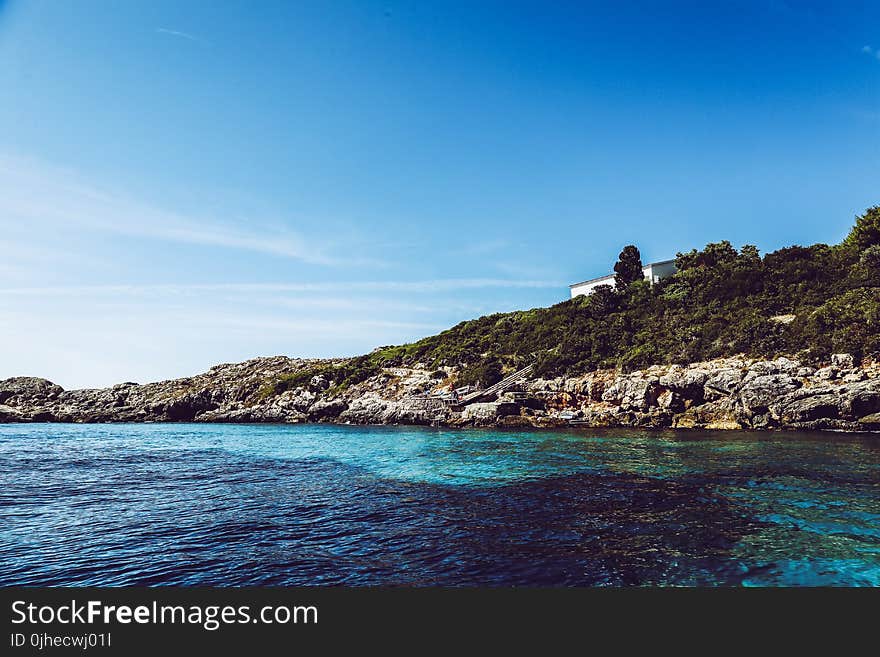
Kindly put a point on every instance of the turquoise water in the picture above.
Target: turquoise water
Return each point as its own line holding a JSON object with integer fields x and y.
{"x": 268, "y": 504}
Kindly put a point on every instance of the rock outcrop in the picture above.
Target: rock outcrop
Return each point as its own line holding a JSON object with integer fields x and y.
{"x": 728, "y": 393}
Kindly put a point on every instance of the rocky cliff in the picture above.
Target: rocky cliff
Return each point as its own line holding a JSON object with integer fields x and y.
{"x": 729, "y": 393}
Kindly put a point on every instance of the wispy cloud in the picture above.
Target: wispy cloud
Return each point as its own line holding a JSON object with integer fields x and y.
{"x": 100, "y": 346}
{"x": 181, "y": 35}
{"x": 436, "y": 285}
{"x": 65, "y": 313}
{"x": 314, "y": 325}
{"x": 871, "y": 51}
{"x": 41, "y": 194}
{"x": 485, "y": 247}
{"x": 863, "y": 114}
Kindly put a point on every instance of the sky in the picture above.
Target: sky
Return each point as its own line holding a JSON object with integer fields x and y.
{"x": 189, "y": 183}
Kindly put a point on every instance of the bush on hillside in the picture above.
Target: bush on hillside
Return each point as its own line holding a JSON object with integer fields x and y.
{"x": 721, "y": 302}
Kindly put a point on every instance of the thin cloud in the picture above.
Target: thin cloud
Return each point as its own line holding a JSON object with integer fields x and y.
{"x": 41, "y": 194}
{"x": 484, "y": 248}
{"x": 863, "y": 114}
{"x": 436, "y": 285}
{"x": 181, "y": 35}
{"x": 314, "y": 325}
{"x": 870, "y": 51}
{"x": 337, "y": 303}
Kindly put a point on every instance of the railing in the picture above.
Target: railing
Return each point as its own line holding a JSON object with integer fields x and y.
{"x": 505, "y": 383}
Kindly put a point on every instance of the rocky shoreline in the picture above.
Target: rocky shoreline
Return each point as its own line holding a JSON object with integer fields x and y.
{"x": 724, "y": 394}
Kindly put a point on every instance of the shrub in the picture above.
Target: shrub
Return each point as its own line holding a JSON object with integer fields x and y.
{"x": 719, "y": 303}
{"x": 866, "y": 231}
{"x": 482, "y": 374}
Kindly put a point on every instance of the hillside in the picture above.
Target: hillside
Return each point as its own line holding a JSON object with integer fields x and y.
{"x": 733, "y": 340}
{"x": 806, "y": 301}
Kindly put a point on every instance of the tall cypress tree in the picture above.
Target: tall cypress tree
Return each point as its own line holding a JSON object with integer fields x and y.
{"x": 628, "y": 268}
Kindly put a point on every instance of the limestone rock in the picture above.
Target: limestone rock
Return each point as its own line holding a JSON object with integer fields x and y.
{"x": 861, "y": 399}
{"x": 827, "y": 373}
{"x": 299, "y": 399}
{"x": 368, "y": 409}
{"x": 483, "y": 411}
{"x": 9, "y": 414}
{"x": 633, "y": 392}
{"x": 325, "y": 409}
{"x": 27, "y": 388}
{"x": 723, "y": 383}
{"x": 726, "y": 393}
{"x": 812, "y": 407}
{"x": 759, "y": 392}
{"x": 686, "y": 382}
{"x": 871, "y": 421}
{"x": 719, "y": 414}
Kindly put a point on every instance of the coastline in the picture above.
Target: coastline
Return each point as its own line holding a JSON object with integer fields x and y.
{"x": 725, "y": 394}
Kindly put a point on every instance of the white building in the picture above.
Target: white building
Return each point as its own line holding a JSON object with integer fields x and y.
{"x": 654, "y": 272}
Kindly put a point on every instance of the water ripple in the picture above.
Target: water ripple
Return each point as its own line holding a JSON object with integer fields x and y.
{"x": 279, "y": 505}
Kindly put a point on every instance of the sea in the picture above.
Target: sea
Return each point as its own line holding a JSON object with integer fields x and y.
{"x": 241, "y": 505}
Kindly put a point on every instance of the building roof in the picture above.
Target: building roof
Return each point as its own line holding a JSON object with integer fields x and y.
{"x": 608, "y": 276}
{"x": 593, "y": 280}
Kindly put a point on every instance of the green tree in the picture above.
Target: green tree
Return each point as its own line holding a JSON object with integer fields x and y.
{"x": 483, "y": 374}
{"x": 714, "y": 254}
{"x": 628, "y": 268}
{"x": 866, "y": 272}
{"x": 721, "y": 302}
{"x": 602, "y": 301}
{"x": 866, "y": 232}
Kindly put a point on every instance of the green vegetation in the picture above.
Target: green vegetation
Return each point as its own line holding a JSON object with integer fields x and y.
{"x": 721, "y": 302}
{"x": 628, "y": 268}
{"x": 338, "y": 375}
{"x": 484, "y": 373}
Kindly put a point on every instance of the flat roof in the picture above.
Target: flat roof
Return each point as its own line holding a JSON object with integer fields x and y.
{"x": 602, "y": 278}
{"x": 592, "y": 280}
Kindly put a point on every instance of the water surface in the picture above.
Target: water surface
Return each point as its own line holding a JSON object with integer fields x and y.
{"x": 187, "y": 504}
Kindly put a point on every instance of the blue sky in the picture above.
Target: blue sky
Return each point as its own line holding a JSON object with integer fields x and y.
{"x": 187, "y": 183}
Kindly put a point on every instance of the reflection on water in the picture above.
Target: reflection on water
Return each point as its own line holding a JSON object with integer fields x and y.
{"x": 234, "y": 505}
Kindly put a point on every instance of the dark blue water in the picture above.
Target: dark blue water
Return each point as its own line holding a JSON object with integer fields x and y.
{"x": 286, "y": 505}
